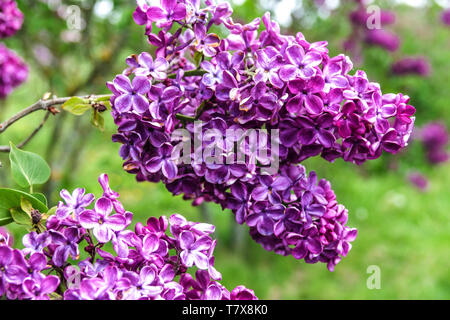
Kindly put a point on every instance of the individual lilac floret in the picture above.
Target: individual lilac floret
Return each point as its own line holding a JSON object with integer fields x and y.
{"x": 6, "y": 239}
{"x": 11, "y": 18}
{"x": 155, "y": 261}
{"x": 103, "y": 224}
{"x": 13, "y": 71}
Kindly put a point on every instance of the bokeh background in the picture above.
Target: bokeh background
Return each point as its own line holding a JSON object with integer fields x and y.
{"x": 403, "y": 228}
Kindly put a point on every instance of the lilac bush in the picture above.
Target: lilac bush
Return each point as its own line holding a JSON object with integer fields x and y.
{"x": 252, "y": 80}
{"x": 148, "y": 263}
{"x": 13, "y": 71}
{"x": 11, "y": 18}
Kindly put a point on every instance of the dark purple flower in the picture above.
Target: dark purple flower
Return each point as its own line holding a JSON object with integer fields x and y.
{"x": 132, "y": 95}
{"x": 445, "y": 17}
{"x": 10, "y": 271}
{"x": 13, "y": 71}
{"x": 306, "y": 96}
{"x": 242, "y": 293}
{"x": 11, "y": 18}
{"x": 411, "y": 65}
{"x": 164, "y": 162}
{"x": 301, "y": 65}
{"x": 66, "y": 244}
{"x": 383, "y": 38}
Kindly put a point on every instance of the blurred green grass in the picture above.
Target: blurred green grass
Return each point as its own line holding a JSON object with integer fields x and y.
{"x": 400, "y": 229}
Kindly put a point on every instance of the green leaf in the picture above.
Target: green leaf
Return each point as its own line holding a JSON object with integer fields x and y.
{"x": 20, "y": 217}
{"x": 97, "y": 120}
{"x": 51, "y": 211}
{"x": 79, "y": 109}
{"x": 10, "y": 198}
{"x": 6, "y": 220}
{"x": 70, "y": 104}
{"x": 41, "y": 197}
{"x": 76, "y": 106}
{"x": 26, "y": 206}
{"x": 28, "y": 168}
{"x": 198, "y": 58}
{"x": 103, "y": 99}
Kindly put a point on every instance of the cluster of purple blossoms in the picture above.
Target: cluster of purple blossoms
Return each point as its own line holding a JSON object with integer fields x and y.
{"x": 11, "y": 18}
{"x": 435, "y": 138}
{"x": 445, "y": 17}
{"x": 13, "y": 71}
{"x": 252, "y": 80}
{"x": 148, "y": 263}
{"x": 412, "y": 65}
{"x": 365, "y": 31}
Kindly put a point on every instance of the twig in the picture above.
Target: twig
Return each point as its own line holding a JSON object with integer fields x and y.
{"x": 24, "y": 142}
{"x": 41, "y": 105}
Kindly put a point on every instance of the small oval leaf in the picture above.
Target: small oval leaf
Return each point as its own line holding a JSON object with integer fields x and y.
{"x": 28, "y": 168}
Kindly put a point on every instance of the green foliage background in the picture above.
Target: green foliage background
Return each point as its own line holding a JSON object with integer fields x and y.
{"x": 400, "y": 229}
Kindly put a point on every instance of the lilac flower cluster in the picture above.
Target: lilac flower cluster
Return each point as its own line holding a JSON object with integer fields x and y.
{"x": 445, "y": 17}
{"x": 13, "y": 71}
{"x": 253, "y": 80}
{"x": 11, "y": 18}
{"x": 360, "y": 19}
{"x": 148, "y": 263}
{"x": 411, "y": 65}
{"x": 435, "y": 138}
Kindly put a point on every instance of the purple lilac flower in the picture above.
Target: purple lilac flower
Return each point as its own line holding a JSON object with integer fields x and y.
{"x": 383, "y": 38}
{"x": 132, "y": 93}
{"x": 13, "y": 71}
{"x": 39, "y": 288}
{"x": 11, "y": 18}
{"x": 364, "y": 30}
{"x": 251, "y": 79}
{"x": 418, "y": 180}
{"x": 147, "y": 67}
{"x": 6, "y": 239}
{"x": 445, "y": 17}
{"x": 412, "y": 65}
{"x": 103, "y": 224}
{"x": 152, "y": 262}
{"x": 74, "y": 202}
{"x": 435, "y": 138}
